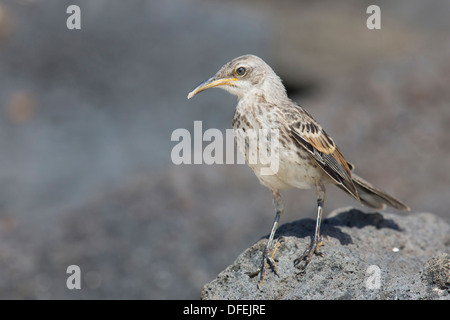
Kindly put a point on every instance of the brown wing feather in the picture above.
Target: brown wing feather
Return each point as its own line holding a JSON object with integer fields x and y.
{"x": 309, "y": 134}
{"x": 312, "y": 132}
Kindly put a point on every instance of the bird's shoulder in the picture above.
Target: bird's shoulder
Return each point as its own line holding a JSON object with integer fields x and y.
{"x": 302, "y": 125}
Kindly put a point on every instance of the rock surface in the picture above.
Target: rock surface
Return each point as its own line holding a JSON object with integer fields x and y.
{"x": 366, "y": 256}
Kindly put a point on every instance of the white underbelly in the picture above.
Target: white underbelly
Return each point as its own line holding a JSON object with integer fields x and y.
{"x": 291, "y": 171}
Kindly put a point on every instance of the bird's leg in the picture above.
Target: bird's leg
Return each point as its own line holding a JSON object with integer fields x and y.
{"x": 271, "y": 246}
{"x": 316, "y": 242}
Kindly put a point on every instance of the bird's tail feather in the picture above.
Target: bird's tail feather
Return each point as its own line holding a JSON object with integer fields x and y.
{"x": 375, "y": 198}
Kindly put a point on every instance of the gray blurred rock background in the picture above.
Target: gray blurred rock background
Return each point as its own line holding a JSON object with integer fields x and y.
{"x": 86, "y": 118}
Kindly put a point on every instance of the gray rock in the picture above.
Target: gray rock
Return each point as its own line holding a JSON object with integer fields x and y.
{"x": 366, "y": 256}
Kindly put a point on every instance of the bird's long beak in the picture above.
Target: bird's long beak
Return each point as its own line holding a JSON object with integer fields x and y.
{"x": 211, "y": 83}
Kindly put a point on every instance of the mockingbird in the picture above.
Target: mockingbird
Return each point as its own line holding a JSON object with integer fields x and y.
{"x": 307, "y": 156}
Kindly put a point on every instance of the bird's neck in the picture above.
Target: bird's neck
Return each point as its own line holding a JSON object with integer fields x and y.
{"x": 271, "y": 94}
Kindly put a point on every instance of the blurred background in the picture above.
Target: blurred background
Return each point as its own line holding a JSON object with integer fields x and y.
{"x": 86, "y": 118}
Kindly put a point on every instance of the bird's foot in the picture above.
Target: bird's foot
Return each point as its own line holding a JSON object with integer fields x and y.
{"x": 316, "y": 243}
{"x": 267, "y": 260}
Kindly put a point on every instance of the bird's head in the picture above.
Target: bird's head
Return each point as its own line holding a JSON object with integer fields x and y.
{"x": 243, "y": 75}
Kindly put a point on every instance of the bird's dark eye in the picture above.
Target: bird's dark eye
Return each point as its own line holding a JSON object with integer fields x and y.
{"x": 241, "y": 71}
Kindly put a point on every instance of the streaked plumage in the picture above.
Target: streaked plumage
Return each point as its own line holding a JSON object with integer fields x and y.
{"x": 308, "y": 156}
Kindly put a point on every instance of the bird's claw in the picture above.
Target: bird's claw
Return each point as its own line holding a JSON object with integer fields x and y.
{"x": 267, "y": 260}
{"x": 313, "y": 248}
